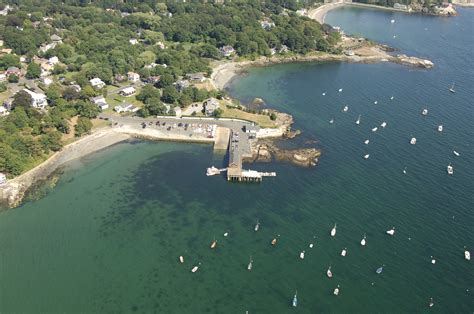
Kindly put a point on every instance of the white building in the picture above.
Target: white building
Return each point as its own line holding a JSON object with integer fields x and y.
{"x": 133, "y": 41}
{"x": 97, "y": 83}
{"x": 133, "y": 77}
{"x": 4, "y": 111}
{"x": 126, "y": 108}
{"x": 100, "y": 102}
{"x": 38, "y": 101}
{"x": 53, "y": 60}
{"x": 227, "y": 51}
{"x": 46, "y": 81}
{"x": 3, "y": 77}
{"x": 210, "y": 105}
{"x": 3, "y": 178}
{"x": 128, "y": 91}
{"x": 178, "y": 112}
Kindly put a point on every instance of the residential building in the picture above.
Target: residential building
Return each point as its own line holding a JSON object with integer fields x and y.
{"x": 153, "y": 79}
{"x": 126, "y": 108}
{"x": 100, "y": 102}
{"x": 3, "y": 178}
{"x": 128, "y": 91}
{"x": 6, "y": 51}
{"x": 120, "y": 78}
{"x": 133, "y": 77}
{"x": 251, "y": 130}
{"x": 46, "y": 47}
{"x": 227, "y": 51}
{"x": 56, "y": 39}
{"x": 161, "y": 45}
{"x": 133, "y": 41}
{"x": 4, "y": 111}
{"x": 182, "y": 84}
{"x": 97, "y": 83}
{"x": 267, "y": 24}
{"x": 76, "y": 87}
{"x": 178, "y": 112}
{"x": 53, "y": 60}
{"x": 46, "y": 81}
{"x": 400, "y": 6}
{"x": 1, "y": 43}
{"x": 38, "y": 100}
{"x": 210, "y": 105}
{"x": 5, "y": 10}
{"x": 3, "y": 77}
{"x": 13, "y": 71}
{"x": 196, "y": 77}
{"x": 284, "y": 49}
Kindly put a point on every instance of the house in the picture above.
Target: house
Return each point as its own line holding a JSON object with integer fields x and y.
{"x": 133, "y": 77}
{"x": 120, "y": 78}
{"x": 97, "y": 83}
{"x": 227, "y": 51}
{"x": 38, "y": 100}
{"x": 53, "y": 60}
{"x": 182, "y": 84}
{"x": 399, "y": 6}
{"x": 267, "y": 24}
{"x": 45, "y": 47}
{"x": 161, "y": 45}
{"x": 178, "y": 112}
{"x": 196, "y": 77}
{"x": 46, "y": 80}
{"x": 4, "y": 111}
{"x": 3, "y": 178}
{"x": 151, "y": 65}
{"x": 251, "y": 130}
{"x": 6, "y": 51}
{"x": 100, "y": 102}
{"x": 284, "y": 49}
{"x": 128, "y": 91}
{"x": 210, "y": 105}
{"x": 76, "y": 87}
{"x": 13, "y": 71}
{"x": 133, "y": 41}
{"x": 5, "y": 10}
{"x": 153, "y": 79}
{"x": 56, "y": 39}
{"x": 126, "y": 108}
{"x": 3, "y": 77}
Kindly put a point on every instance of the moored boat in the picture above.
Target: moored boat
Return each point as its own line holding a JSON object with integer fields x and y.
{"x": 363, "y": 241}
{"x": 336, "y": 291}
{"x": 331, "y": 121}
{"x": 452, "y": 90}
{"x": 345, "y": 109}
{"x": 367, "y": 156}
{"x": 214, "y": 244}
{"x": 257, "y": 226}
{"x": 366, "y": 142}
{"x": 450, "y": 169}
{"x": 358, "y": 120}
{"x": 456, "y": 153}
{"x": 181, "y": 259}
{"x": 391, "y": 231}
{"x": 374, "y": 129}
{"x": 333, "y": 231}
{"x": 440, "y": 128}
{"x": 249, "y": 267}
{"x": 467, "y": 255}
{"x": 302, "y": 255}
{"x": 344, "y": 252}
{"x": 380, "y": 269}
{"x": 384, "y": 124}
{"x": 329, "y": 272}
{"x": 413, "y": 141}
{"x": 424, "y": 112}
{"x": 194, "y": 269}
{"x": 295, "y": 299}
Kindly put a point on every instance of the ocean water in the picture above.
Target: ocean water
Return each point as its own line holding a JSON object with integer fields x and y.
{"x": 107, "y": 237}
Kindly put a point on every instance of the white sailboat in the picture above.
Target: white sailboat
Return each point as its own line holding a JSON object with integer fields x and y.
{"x": 336, "y": 291}
{"x": 181, "y": 259}
{"x": 331, "y": 121}
{"x": 344, "y": 252}
{"x": 333, "y": 231}
{"x": 302, "y": 255}
{"x": 450, "y": 169}
{"x": 433, "y": 260}
{"x": 467, "y": 255}
{"x": 249, "y": 267}
{"x": 340, "y": 90}
{"x": 345, "y": 109}
{"x": 213, "y": 244}
{"x": 195, "y": 268}
{"x": 391, "y": 98}
{"x": 329, "y": 272}
{"x": 456, "y": 153}
{"x": 226, "y": 234}
{"x": 363, "y": 242}
{"x": 391, "y": 231}
{"x": 366, "y": 156}
{"x": 376, "y": 102}
{"x": 452, "y": 89}
{"x": 295, "y": 299}
{"x": 392, "y": 21}
{"x": 358, "y": 120}
{"x": 366, "y": 142}
{"x": 374, "y": 129}
{"x": 431, "y": 304}
{"x": 413, "y": 141}
{"x": 440, "y": 128}
{"x": 405, "y": 170}
{"x": 257, "y": 226}
{"x": 324, "y": 94}
{"x": 424, "y": 112}
{"x": 384, "y": 124}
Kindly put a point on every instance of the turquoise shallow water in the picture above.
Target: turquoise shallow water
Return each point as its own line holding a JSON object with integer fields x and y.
{"x": 108, "y": 236}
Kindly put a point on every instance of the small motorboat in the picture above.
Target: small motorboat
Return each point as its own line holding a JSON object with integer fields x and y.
{"x": 195, "y": 269}
{"x": 391, "y": 98}
{"x": 340, "y": 90}
{"x": 452, "y": 90}
{"x": 431, "y": 304}
{"x": 329, "y": 272}
{"x": 433, "y": 260}
{"x": 257, "y": 226}
{"x": 450, "y": 169}
{"x": 392, "y": 21}
{"x": 181, "y": 259}
{"x": 214, "y": 244}
{"x": 249, "y": 267}
{"x": 226, "y": 234}
{"x": 344, "y": 252}
{"x": 424, "y": 112}
{"x": 362, "y": 242}
{"x": 295, "y": 299}
{"x": 456, "y": 153}
{"x": 331, "y": 121}
{"x": 345, "y": 109}
{"x": 333, "y": 231}
{"x": 336, "y": 291}
{"x": 413, "y": 141}
{"x": 324, "y": 94}
{"x": 467, "y": 255}
{"x": 405, "y": 170}
{"x": 391, "y": 231}
{"x": 302, "y": 255}
{"x": 366, "y": 142}
{"x": 384, "y": 124}
{"x": 440, "y": 128}
{"x": 374, "y": 129}
{"x": 358, "y": 120}
{"x": 367, "y": 156}
{"x": 311, "y": 245}
{"x": 379, "y": 270}
{"x": 376, "y": 102}
{"x": 274, "y": 241}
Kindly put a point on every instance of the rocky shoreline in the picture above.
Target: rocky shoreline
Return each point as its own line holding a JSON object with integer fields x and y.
{"x": 267, "y": 151}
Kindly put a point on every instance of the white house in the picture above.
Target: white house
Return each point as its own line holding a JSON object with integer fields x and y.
{"x": 133, "y": 77}
{"x": 210, "y": 105}
{"x": 133, "y": 41}
{"x": 5, "y": 10}
{"x": 38, "y": 100}
{"x": 100, "y": 102}
{"x": 227, "y": 51}
{"x": 161, "y": 45}
{"x": 97, "y": 83}
{"x": 126, "y": 108}
{"x": 128, "y": 91}
{"x": 4, "y": 111}
{"x": 3, "y": 178}
{"x": 53, "y": 60}
{"x": 3, "y": 77}
{"x": 46, "y": 81}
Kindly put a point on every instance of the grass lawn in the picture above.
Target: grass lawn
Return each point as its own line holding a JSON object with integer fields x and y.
{"x": 262, "y": 120}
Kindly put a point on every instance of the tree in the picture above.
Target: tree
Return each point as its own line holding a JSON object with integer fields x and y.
{"x": 166, "y": 80}
{"x": 52, "y": 141}
{"x": 170, "y": 95}
{"x": 148, "y": 91}
{"x": 273, "y": 116}
{"x": 83, "y": 126}
{"x": 218, "y": 113}
{"x": 184, "y": 100}
{"x": 86, "y": 109}
{"x": 9, "y": 60}
{"x": 33, "y": 71}
{"x": 13, "y": 78}
{"x": 21, "y": 99}
{"x": 3, "y": 87}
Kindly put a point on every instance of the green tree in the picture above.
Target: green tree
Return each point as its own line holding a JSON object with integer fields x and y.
{"x": 83, "y": 126}
{"x": 87, "y": 109}
{"x": 33, "y": 71}
{"x": 21, "y": 99}
{"x": 170, "y": 95}
{"x": 13, "y": 78}
{"x": 9, "y": 60}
